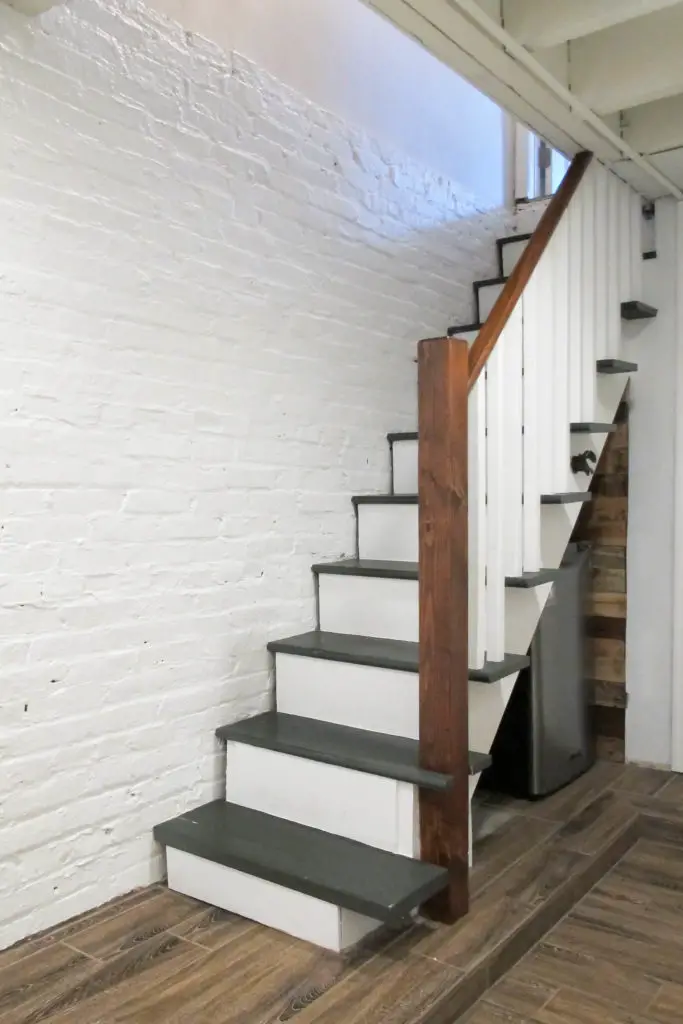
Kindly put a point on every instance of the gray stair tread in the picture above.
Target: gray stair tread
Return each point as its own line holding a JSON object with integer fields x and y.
{"x": 593, "y": 428}
{"x": 369, "y": 567}
{"x": 381, "y": 885}
{"x": 532, "y": 579}
{"x": 616, "y": 366}
{"x": 511, "y": 239}
{"x": 360, "y": 650}
{"x": 494, "y": 671}
{"x": 489, "y": 282}
{"x": 384, "y": 499}
{"x": 402, "y": 655}
{"x": 463, "y": 329}
{"x": 392, "y": 757}
{"x": 637, "y": 311}
{"x": 566, "y": 498}
{"x": 402, "y": 435}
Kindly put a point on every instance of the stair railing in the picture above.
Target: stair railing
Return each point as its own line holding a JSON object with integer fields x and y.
{"x": 447, "y": 373}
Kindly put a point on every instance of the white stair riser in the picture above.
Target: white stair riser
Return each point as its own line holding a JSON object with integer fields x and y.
{"x": 360, "y": 696}
{"x": 391, "y": 532}
{"x": 377, "y": 699}
{"x": 487, "y": 300}
{"x": 511, "y": 254}
{"x": 370, "y": 809}
{"x": 304, "y": 917}
{"x": 404, "y": 467}
{"x": 369, "y": 606}
{"x": 388, "y": 532}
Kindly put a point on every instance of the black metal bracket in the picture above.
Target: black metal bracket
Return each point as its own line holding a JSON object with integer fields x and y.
{"x": 582, "y": 463}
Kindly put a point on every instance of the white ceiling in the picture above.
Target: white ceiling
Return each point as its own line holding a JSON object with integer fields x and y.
{"x": 606, "y": 75}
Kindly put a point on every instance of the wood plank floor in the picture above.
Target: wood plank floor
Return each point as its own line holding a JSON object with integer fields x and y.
{"x": 607, "y": 851}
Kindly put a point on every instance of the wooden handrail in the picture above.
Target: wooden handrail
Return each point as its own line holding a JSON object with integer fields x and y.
{"x": 527, "y": 263}
{"x": 442, "y": 486}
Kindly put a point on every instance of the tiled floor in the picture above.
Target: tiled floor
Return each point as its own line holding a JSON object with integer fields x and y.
{"x": 156, "y": 957}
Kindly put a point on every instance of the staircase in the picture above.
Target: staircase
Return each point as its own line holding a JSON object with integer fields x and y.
{"x": 347, "y": 806}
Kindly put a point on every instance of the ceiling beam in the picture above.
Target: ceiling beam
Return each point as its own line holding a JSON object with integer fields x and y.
{"x": 545, "y": 23}
{"x": 33, "y": 7}
{"x": 631, "y": 64}
{"x": 654, "y": 127}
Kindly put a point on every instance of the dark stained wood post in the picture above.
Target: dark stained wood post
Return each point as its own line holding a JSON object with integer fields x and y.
{"x": 444, "y": 741}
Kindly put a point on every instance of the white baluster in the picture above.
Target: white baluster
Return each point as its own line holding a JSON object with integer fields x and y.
{"x": 478, "y": 552}
{"x": 495, "y": 530}
{"x": 601, "y": 251}
{"x": 636, "y": 247}
{"x": 588, "y": 325}
{"x": 531, "y": 512}
{"x": 576, "y": 215}
{"x": 512, "y": 351}
{"x": 559, "y": 382}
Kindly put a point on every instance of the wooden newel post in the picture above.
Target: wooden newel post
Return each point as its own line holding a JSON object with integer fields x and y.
{"x": 442, "y": 484}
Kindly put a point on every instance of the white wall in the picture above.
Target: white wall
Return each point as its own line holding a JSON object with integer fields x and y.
{"x": 210, "y": 295}
{"x": 650, "y": 622}
{"x": 351, "y": 61}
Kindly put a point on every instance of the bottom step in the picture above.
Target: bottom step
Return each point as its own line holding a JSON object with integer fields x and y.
{"x": 289, "y": 876}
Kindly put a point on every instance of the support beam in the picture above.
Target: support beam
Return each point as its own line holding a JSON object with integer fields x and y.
{"x": 545, "y": 23}
{"x": 654, "y": 127}
{"x": 634, "y": 63}
{"x": 444, "y": 724}
{"x": 32, "y": 7}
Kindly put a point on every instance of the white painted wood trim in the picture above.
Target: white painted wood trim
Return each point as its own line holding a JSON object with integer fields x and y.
{"x": 256, "y": 899}
{"x": 677, "y": 596}
{"x": 369, "y": 809}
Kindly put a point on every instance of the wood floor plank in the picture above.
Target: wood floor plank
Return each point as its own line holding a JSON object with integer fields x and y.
{"x": 79, "y": 990}
{"x": 489, "y": 1013}
{"x": 213, "y": 927}
{"x": 673, "y": 790}
{"x": 496, "y": 852}
{"x": 117, "y": 934}
{"x": 555, "y": 967}
{"x": 35, "y": 977}
{"x": 568, "y": 802}
{"x": 62, "y": 932}
{"x": 395, "y": 986}
{"x": 641, "y": 781}
{"x": 597, "y": 824}
{"x": 521, "y": 992}
{"x": 238, "y": 982}
{"x": 570, "y": 1006}
{"x": 667, "y": 1006}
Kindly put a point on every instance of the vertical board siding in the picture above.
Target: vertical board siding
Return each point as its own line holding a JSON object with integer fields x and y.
{"x": 531, "y": 512}
{"x": 560, "y": 342}
{"x": 576, "y": 216}
{"x": 477, "y": 540}
{"x": 637, "y": 246}
{"x": 496, "y": 510}
{"x": 512, "y": 351}
{"x": 600, "y": 266}
{"x": 613, "y": 267}
{"x": 588, "y": 326}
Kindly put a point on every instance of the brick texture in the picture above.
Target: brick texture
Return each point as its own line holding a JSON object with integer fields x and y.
{"x": 210, "y": 295}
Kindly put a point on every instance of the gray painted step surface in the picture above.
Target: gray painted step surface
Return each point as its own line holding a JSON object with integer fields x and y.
{"x": 340, "y": 871}
{"x": 593, "y": 428}
{"x": 528, "y": 580}
{"x": 368, "y": 567}
{"x": 402, "y": 655}
{"x": 452, "y": 332}
{"x": 637, "y": 311}
{"x": 410, "y": 571}
{"x": 392, "y": 757}
{"x": 616, "y": 366}
{"x": 402, "y": 435}
{"x": 566, "y": 498}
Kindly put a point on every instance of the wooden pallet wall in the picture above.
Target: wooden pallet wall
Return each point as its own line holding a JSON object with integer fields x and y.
{"x": 604, "y": 523}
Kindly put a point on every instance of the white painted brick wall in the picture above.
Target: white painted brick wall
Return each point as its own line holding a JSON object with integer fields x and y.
{"x": 210, "y": 295}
